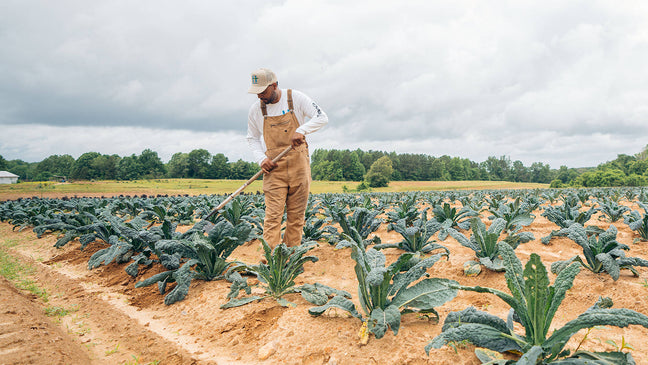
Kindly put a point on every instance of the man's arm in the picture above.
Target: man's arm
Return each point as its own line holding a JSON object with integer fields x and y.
{"x": 254, "y": 134}
{"x": 309, "y": 109}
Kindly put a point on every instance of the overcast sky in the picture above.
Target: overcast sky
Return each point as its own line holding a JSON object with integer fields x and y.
{"x": 558, "y": 82}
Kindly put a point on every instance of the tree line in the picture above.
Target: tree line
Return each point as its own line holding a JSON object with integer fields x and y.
{"x": 334, "y": 165}
{"x": 358, "y": 165}
{"x": 198, "y": 164}
{"x": 346, "y": 165}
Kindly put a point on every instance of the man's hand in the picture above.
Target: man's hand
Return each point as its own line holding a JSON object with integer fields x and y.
{"x": 298, "y": 139}
{"x": 267, "y": 165}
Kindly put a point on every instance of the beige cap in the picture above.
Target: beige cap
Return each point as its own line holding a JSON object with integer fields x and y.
{"x": 261, "y": 79}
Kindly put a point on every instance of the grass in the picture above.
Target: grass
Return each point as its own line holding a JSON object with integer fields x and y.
{"x": 208, "y": 187}
{"x": 18, "y": 274}
{"x": 55, "y": 311}
{"x": 112, "y": 351}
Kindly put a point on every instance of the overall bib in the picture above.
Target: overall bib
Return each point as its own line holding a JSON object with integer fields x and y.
{"x": 288, "y": 184}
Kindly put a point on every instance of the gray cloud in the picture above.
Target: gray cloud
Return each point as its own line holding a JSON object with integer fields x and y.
{"x": 555, "y": 82}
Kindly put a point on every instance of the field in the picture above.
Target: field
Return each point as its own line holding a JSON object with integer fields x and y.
{"x": 198, "y": 187}
{"x": 67, "y": 313}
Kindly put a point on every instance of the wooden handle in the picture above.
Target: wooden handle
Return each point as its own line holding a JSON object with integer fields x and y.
{"x": 247, "y": 183}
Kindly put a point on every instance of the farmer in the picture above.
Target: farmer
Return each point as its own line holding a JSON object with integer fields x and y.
{"x": 275, "y": 121}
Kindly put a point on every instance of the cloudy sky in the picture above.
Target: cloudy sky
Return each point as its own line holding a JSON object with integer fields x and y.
{"x": 559, "y": 82}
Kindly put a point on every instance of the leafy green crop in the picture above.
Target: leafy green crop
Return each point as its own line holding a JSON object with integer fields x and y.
{"x": 612, "y": 210}
{"x": 385, "y": 292}
{"x": 417, "y": 237}
{"x": 284, "y": 264}
{"x": 533, "y": 304}
{"x": 516, "y": 215}
{"x": 357, "y": 225}
{"x": 638, "y": 222}
{"x": 451, "y": 218}
{"x": 564, "y": 216}
{"x": 241, "y": 209}
{"x": 485, "y": 241}
{"x": 404, "y": 209}
{"x": 206, "y": 258}
{"x": 602, "y": 252}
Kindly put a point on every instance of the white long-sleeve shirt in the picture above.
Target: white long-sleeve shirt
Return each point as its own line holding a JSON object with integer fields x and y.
{"x": 304, "y": 107}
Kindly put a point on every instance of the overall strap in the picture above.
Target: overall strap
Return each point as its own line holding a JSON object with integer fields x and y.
{"x": 264, "y": 109}
{"x": 290, "y": 101}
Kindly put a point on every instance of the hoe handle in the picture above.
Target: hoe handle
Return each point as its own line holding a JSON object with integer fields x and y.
{"x": 245, "y": 185}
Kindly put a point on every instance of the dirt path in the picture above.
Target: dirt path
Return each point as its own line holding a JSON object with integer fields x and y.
{"x": 113, "y": 322}
{"x": 86, "y": 327}
{"x": 27, "y": 336}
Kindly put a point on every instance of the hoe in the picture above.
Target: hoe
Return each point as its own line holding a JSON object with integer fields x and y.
{"x": 239, "y": 190}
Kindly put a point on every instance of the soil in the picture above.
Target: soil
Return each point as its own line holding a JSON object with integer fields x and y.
{"x": 112, "y": 322}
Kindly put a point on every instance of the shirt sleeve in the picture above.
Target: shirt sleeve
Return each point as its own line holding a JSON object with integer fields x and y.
{"x": 254, "y": 133}
{"x": 309, "y": 109}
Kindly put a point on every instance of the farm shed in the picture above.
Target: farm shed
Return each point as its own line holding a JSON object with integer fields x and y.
{"x": 7, "y": 177}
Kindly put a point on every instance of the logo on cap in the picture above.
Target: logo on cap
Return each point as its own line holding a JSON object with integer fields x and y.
{"x": 255, "y": 79}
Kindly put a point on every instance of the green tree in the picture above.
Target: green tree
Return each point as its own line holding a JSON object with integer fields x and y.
{"x": 622, "y": 162}
{"x": 243, "y": 170}
{"x": 152, "y": 165}
{"x": 437, "y": 169}
{"x": 352, "y": 168}
{"x": 83, "y": 168}
{"x": 106, "y": 166}
{"x": 540, "y": 173}
{"x": 455, "y": 168}
{"x": 520, "y": 172}
{"x": 219, "y": 167}
{"x": 54, "y": 165}
{"x": 601, "y": 178}
{"x": 178, "y": 166}
{"x": 328, "y": 171}
{"x": 129, "y": 168}
{"x": 566, "y": 175}
{"x": 3, "y": 163}
{"x": 636, "y": 180}
{"x": 639, "y": 167}
{"x": 25, "y": 170}
{"x": 498, "y": 168}
{"x": 380, "y": 172}
{"x": 199, "y": 163}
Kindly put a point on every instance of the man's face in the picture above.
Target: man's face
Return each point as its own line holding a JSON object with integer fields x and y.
{"x": 269, "y": 95}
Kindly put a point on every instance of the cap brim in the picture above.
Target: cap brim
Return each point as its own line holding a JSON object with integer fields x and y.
{"x": 255, "y": 89}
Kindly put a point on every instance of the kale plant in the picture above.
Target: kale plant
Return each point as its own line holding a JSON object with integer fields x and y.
{"x": 404, "y": 209}
{"x": 638, "y": 222}
{"x": 277, "y": 276}
{"x": 515, "y": 214}
{"x": 385, "y": 292}
{"x": 417, "y": 237}
{"x": 206, "y": 258}
{"x": 450, "y": 217}
{"x": 475, "y": 202}
{"x": 485, "y": 241}
{"x": 242, "y": 209}
{"x": 602, "y": 252}
{"x": 357, "y": 225}
{"x": 564, "y": 216}
{"x": 533, "y": 305}
{"x": 313, "y": 225}
{"x": 611, "y": 210}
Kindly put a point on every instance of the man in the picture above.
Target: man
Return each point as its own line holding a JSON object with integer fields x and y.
{"x": 275, "y": 121}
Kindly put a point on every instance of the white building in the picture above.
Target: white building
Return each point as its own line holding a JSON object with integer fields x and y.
{"x": 7, "y": 177}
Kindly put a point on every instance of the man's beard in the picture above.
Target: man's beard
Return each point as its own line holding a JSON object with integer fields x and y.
{"x": 271, "y": 99}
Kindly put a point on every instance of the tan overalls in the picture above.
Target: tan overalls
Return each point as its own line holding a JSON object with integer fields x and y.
{"x": 287, "y": 184}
